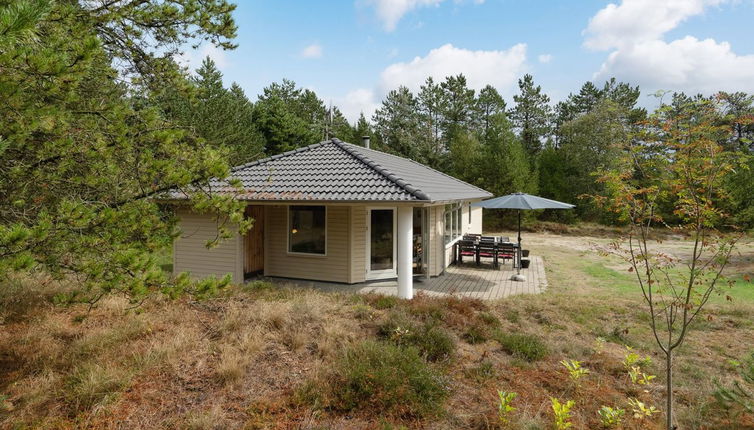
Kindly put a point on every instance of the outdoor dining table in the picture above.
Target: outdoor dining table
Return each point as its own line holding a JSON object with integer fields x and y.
{"x": 497, "y": 243}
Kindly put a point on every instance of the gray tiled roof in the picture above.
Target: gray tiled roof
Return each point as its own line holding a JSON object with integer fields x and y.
{"x": 337, "y": 171}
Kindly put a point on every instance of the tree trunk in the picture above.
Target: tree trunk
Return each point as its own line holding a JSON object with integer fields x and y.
{"x": 669, "y": 387}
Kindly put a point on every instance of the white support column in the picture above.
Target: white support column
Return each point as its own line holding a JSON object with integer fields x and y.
{"x": 405, "y": 252}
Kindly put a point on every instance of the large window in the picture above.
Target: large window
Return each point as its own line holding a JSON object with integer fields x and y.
{"x": 452, "y": 222}
{"x": 307, "y": 229}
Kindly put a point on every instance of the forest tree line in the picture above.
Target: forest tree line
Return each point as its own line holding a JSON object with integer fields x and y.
{"x": 530, "y": 144}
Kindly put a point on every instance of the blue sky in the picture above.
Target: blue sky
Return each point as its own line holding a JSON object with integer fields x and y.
{"x": 352, "y": 53}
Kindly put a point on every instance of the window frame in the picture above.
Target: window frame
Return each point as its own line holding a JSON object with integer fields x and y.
{"x": 288, "y": 234}
{"x": 454, "y": 231}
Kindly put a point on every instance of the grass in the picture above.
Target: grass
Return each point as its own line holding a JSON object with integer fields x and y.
{"x": 267, "y": 356}
{"x": 524, "y": 346}
{"x": 381, "y": 376}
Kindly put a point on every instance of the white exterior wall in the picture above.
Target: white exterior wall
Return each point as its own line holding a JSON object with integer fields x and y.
{"x": 190, "y": 253}
{"x": 475, "y": 226}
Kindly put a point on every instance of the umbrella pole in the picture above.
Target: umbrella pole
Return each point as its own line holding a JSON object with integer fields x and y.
{"x": 518, "y": 266}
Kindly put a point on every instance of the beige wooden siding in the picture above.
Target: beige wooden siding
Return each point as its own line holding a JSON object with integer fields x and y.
{"x": 190, "y": 253}
{"x": 436, "y": 246}
{"x": 358, "y": 263}
{"x": 334, "y": 266}
{"x": 476, "y": 221}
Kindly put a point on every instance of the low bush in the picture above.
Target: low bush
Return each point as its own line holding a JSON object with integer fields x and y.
{"x": 380, "y": 301}
{"x": 476, "y": 333}
{"x": 383, "y": 377}
{"x": 433, "y": 342}
{"x": 525, "y": 346}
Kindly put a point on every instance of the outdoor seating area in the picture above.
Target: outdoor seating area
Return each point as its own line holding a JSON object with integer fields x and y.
{"x": 491, "y": 249}
{"x": 463, "y": 280}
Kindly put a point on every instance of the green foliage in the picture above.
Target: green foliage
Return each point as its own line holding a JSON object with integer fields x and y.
{"x": 639, "y": 377}
{"x": 505, "y": 408}
{"x": 484, "y": 371}
{"x": 739, "y": 395}
{"x": 562, "y": 412}
{"x": 381, "y": 301}
{"x": 611, "y": 417}
{"x": 222, "y": 117}
{"x": 476, "y": 333}
{"x": 385, "y": 377}
{"x": 640, "y": 410}
{"x": 575, "y": 370}
{"x": 288, "y": 117}
{"x": 532, "y": 115}
{"x": 432, "y": 341}
{"x": 632, "y": 359}
{"x": 525, "y": 346}
{"x": 82, "y": 157}
{"x": 18, "y": 20}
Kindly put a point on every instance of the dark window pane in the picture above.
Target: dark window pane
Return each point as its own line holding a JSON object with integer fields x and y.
{"x": 381, "y": 239}
{"x": 306, "y": 231}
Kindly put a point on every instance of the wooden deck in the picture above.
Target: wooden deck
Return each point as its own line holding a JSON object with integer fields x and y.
{"x": 483, "y": 282}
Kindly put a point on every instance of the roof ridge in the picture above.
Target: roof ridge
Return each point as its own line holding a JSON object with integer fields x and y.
{"x": 426, "y": 167}
{"x": 392, "y": 177}
{"x": 276, "y": 156}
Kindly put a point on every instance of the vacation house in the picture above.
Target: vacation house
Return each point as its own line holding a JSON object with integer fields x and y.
{"x": 336, "y": 212}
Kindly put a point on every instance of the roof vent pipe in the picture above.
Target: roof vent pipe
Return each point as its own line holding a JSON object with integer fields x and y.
{"x": 365, "y": 141}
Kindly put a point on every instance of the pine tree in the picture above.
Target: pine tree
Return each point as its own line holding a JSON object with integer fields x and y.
{"x": 531, "y": 115}
{"x": 397, "y": 123}
{"x": 288, "y": 117}
{"x": 82, "y": 155}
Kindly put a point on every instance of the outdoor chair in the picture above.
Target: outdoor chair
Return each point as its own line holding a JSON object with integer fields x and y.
{"x": 466, "y": 248}
{"x": 487, "y": 249}
{"x": 506, "y": 251}
{"x": 490, "y": 239}
{"x": 504, "y": 239}
{"x": 471, "y": 236}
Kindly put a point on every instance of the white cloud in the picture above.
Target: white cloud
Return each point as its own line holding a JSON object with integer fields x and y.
{"x": 193, "y": 58}
{"x": 635, "y": 21}
{"x": 312, "y": 51}
{"x": 355, "y": 102}
{"x": 633, "y": 31}
{"x": 500, "y": 69}
{"x": 686, "y": 64}
{"x": 544, "y": 58}
{"x": 390, "y": 12}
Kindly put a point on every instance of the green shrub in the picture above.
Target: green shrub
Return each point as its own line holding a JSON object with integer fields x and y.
{"x": 380, "y": 376}
{"x": 476, "y": 333}
{"x": 434, "y": 343}
{"x": 521, "y": 345}
{"x": 512, "y": 316}
{"x": 380, "y": 301}
{"x": 489, "y": 319}
{"x": 482, "y": 372}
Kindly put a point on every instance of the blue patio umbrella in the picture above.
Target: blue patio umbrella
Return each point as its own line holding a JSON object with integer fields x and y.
{"x": 522, "y": 201}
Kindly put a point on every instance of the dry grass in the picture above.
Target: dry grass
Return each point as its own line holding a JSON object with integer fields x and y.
{"x": 242, "y": 360}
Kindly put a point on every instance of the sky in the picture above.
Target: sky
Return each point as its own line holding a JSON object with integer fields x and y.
{"x": 352, "y": 53}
